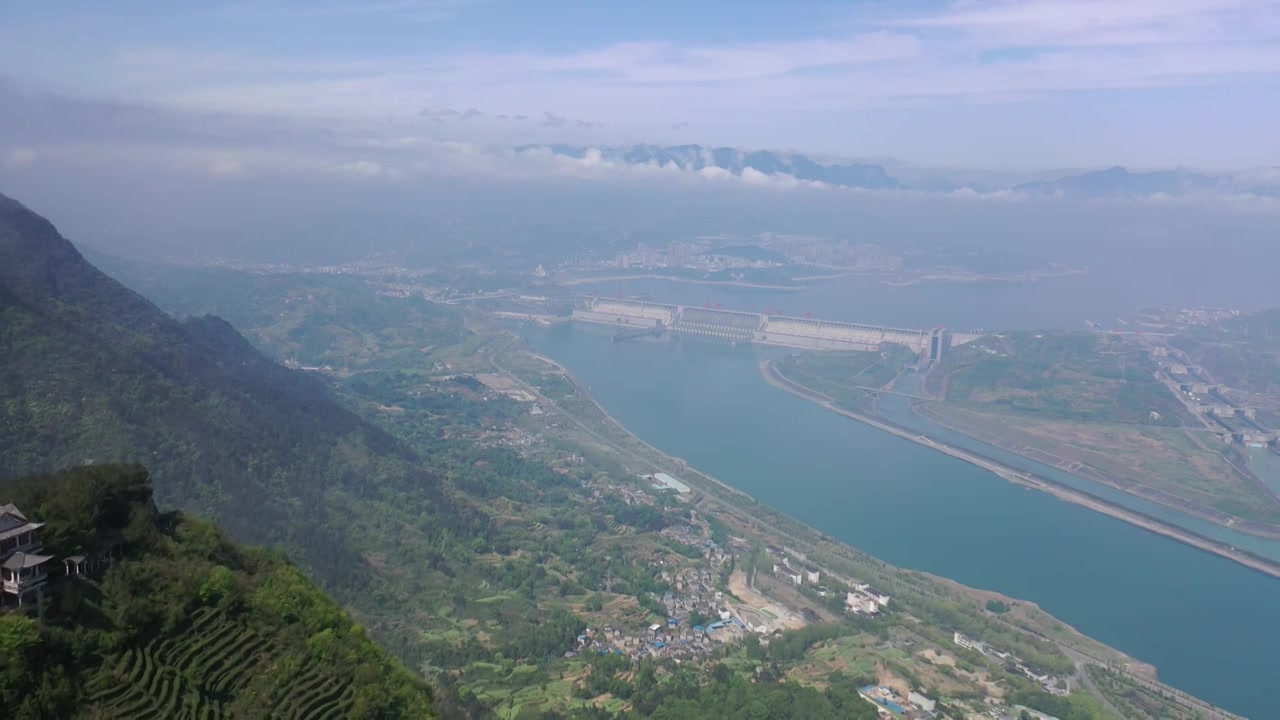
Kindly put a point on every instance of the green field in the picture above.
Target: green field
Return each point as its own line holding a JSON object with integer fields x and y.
{"x": 1166, "y": 458}
{"x": 839, "y": 375}
{"x": 1064, "y": 376}
{"x": 217, "y": 669}
{"x": 1092, "y": 399}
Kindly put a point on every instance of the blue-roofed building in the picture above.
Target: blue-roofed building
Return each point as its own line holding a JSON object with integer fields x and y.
{"x": 883, "y": 697}
{"x": 659, "y": 644}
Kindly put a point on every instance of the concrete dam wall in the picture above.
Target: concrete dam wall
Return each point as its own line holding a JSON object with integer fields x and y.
{"x": 736, "y": 326}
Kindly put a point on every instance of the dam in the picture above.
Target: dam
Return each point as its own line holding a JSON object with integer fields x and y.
{"x": 767, "y": 329}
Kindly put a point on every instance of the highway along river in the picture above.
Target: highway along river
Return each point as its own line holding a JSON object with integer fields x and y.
{"x": 1206, "y": 623}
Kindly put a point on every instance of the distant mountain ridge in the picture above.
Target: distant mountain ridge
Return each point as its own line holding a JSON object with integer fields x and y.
{"x": 1119, "y": 181}
{"x": 736, "y": 161}
{"x": 1111, "y": 182}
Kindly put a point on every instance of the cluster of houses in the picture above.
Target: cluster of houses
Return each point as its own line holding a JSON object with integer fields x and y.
{"x": 697, "y": 618}
{"x": 24, "y": 566}
{"x": 672, "y": 638}
{"x": 1014, "y": 664}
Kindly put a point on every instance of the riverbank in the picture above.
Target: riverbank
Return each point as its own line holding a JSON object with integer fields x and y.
{"x": 586, "y": 395}
{"x": 1123, "y": 484}
{"x": 980, "y": 277}
{"x": 677, "y": 278}
{"x": 1062, "y": 492}
{"x": 759, "y": 521}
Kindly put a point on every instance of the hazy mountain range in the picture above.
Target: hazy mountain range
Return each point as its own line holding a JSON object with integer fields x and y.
{"x": 1112, "y": 182}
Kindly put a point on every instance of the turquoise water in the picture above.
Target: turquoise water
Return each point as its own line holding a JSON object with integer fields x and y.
{"x": 1205, "y": 622}
{"x": 898, "y": 410}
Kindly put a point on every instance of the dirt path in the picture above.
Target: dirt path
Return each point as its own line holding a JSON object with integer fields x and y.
{"x": 754, "y": 600}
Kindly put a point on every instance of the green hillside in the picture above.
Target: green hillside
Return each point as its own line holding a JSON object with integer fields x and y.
{"x": 516, "y": 560}
{"x": 92, "y": 372}
{"x": 181, "y": 623}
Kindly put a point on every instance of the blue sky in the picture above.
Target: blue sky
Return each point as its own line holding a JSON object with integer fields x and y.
{"x": 979, "y": 83}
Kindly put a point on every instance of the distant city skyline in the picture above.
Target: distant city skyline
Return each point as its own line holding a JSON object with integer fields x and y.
{"x": 1003, "y": 84}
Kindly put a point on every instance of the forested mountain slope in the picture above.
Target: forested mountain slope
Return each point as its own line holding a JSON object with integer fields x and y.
{"x": 180, "y": 623}
{"x": 92, "y": 372}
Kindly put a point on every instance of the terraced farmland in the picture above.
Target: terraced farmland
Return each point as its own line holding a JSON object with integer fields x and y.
{"x": 217, "y": 669}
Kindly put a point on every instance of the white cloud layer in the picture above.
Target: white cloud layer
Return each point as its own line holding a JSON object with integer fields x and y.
{"x": 1099, "y": 76}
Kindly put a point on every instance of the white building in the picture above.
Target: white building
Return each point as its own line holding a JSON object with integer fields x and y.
{"x": 793, "y": 575}
{"x": 664, "y": 481}
{"x": 856, "y": 602}
{"x": 921, "y": 701}
{"x": 968, "y": 644}
{"x": 882, "y": 598}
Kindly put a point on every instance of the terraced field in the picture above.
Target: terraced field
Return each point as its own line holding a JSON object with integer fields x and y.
{"x": 212, "y": 671}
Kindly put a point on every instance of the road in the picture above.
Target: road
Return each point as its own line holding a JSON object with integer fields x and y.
{"x": 1082, "y": 672}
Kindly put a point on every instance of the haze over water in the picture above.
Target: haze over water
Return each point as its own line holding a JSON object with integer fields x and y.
{"x": 1206, "y": 623}
{"x": 1051, "y": 303}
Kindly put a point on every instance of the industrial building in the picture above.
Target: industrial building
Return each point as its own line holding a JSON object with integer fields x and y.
{"x": 663, "y": 481}
{"x": 767, "y": 329}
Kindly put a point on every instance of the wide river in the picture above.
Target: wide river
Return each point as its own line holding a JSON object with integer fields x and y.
{"x": 1208, "y": 624}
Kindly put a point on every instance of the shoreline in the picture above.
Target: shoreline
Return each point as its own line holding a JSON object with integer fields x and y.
{"x": 1083, "y": 649}
{"x": 973, "y": 278}
{"x": 1255, "y": 528}
{"x": 600, "y": 409}
{"x": 889, "y": 279}
{"x": 676, "y": 278}
{"x": 1063, "y": 492}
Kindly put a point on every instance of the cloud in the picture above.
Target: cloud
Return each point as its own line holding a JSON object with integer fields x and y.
{"x": 962, "y": 75}
{"x": 226, "y": 167}
{"x": 438, "y": 112}
{"x": 1059, "y": 23}
{"x": 364, "y": 168}
{"x": 416, "y": 11}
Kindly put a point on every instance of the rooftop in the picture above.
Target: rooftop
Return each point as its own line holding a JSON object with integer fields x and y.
{"x": 13, "y": 523}
{"x": 21, "y": 561}
{"x": 671, "y": 482}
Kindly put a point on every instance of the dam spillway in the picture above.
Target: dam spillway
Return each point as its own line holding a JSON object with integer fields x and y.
{"x": 739, "y": 327}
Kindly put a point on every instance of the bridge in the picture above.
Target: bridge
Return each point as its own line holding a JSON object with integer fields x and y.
{"x": 767, "y": 329}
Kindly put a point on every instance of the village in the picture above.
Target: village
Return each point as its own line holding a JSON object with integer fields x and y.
{"x": 713, "y": 601}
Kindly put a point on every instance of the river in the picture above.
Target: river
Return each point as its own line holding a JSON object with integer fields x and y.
{"x": 1206, "y": 623}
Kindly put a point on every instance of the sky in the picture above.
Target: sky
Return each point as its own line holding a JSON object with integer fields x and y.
{"x": 1014, "y": 84}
